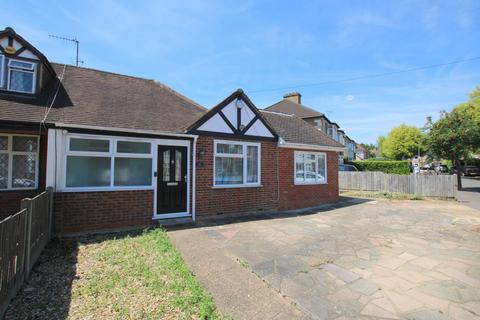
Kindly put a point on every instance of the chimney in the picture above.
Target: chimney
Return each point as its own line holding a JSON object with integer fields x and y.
{"x": 294, "y": 97}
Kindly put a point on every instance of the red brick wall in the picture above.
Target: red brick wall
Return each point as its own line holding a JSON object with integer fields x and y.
{"x": 89, "y": 211}
{"x": 212, "y": 201}
{"x": 301, "y": 196}
{"x": 10, "y": 200}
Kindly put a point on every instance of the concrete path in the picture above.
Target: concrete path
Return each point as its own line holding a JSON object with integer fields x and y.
{"x": 377, "y": 259}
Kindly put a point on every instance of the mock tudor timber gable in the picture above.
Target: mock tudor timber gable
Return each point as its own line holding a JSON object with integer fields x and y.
{"x": 236, "y": 116}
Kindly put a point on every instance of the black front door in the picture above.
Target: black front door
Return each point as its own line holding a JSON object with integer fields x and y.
{"x": 171, "y": 179}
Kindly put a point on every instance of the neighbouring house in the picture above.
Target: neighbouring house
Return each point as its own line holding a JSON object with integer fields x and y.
{"x": 292, "y": 104}
{"x": 121, "y": 151}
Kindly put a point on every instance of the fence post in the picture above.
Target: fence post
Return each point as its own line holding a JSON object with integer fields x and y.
{"x": 50, "y": 211}
{"x": 27, "y": 204}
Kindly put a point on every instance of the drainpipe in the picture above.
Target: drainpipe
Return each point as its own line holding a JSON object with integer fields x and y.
{"x": 194, "y": 174}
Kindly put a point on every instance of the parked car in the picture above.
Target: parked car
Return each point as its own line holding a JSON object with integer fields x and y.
{"x": 441, "y": 169}
{"x": 347, "y": 167}
{"x": 468, "y": 171}
{"x": 471, "y": 171}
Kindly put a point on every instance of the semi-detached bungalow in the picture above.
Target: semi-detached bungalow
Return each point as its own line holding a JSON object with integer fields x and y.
{"x": 122, "y": 151}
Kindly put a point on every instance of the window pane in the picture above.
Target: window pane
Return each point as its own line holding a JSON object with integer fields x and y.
{"x": 3, "y": 171}
{"x": 27, "y": 144}
{"x": 21, "y": 81}
{"x": 310, "y": 167}
{"x": 133, "y": 172}
{"x": 229, "y": 148}
{"x": 21, "y": 64}
{"x": 166, "y": 165}
{"x": 321, "y": 168}
{"x": 94, "y": 145}
{"x": 88, "y": 171}
{"x": 228, "y": 170}
{"x": 299, "y": 168}
{"x": 133, "y": 147}
{"x": 3, "y": 143}
{"x": 23, "y": 171}
{"x": 252, "y": 164}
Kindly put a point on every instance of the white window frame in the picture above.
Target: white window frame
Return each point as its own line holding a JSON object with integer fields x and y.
{"x": 316, "y": 154}
{"x": 19, "y": 69}
{"x": 2, "y": 69}
{"x": 11, "y": 153}
{"x": 112, "y": 154}
{"x": 244, "y": 157}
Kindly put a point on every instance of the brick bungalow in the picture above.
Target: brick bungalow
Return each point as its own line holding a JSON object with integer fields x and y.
{"x": 123, "y": 151}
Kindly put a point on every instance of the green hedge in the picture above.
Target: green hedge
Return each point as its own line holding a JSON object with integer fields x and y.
{"x": 388, "y": 166}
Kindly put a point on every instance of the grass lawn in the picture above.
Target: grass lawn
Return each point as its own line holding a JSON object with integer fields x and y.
{"x": 137, "y": 275}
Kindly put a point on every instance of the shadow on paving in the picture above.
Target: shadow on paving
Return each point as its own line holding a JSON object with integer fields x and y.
{"x": 219, "y": 220}
{"x": 48, "y": 292}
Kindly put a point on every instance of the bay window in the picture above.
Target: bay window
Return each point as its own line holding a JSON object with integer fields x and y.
{"x": 310, "y": 167}
{"x": 108, "y": 163}
{"x": 18, "y": 162}
{"x": 236, "y": 163}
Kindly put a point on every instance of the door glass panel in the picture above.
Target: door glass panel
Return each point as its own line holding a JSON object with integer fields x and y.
{"x": 178, "y": 165}
{"x": 166, "y": 165}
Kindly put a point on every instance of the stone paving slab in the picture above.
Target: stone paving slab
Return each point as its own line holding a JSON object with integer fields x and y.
{"x": 357, "y": 260}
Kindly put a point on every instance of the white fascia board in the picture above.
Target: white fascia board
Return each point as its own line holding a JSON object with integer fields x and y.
{"x": 310, "y": 147}
{"x": 115, "y": 129}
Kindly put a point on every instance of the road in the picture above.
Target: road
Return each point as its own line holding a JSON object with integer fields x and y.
{"x": 470, "y": 194}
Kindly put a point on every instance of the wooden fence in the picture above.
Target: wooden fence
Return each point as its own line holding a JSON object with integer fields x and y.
{"x": 441, "y": 186}
{"x": 23, "y": 236}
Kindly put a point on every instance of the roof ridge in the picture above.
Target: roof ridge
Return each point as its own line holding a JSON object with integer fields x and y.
{"x": 279, "y": 113}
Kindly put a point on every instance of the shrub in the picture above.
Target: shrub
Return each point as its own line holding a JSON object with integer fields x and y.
{"x": 396, "y": 167}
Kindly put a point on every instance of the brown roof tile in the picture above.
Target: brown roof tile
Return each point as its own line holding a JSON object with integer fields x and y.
{"x": 98, "y": 98}
{"x": 295, "y": 130}
{"x": 289, "y": 107}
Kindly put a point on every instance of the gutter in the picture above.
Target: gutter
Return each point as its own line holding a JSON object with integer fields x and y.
{"x": 283, "y": 144}
{"x": 61, "y": 125}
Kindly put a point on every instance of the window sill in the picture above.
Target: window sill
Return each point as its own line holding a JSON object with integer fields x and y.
{"x": 101, "y": 189}
{"x": 309, "y": 183}
{"x": 234, "y": 186}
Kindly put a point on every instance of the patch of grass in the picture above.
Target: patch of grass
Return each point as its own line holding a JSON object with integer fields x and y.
{"x": 381, "y": 195}
{"x": 136, "y": 276}
{"x": 243, "y": 263}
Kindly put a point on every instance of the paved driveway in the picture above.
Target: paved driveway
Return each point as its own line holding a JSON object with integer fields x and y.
{"x": 376, "y": 259}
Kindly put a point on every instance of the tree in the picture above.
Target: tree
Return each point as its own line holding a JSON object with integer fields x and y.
{"x": 403, "y": 142}
{"x": 456, "y": 134}
{"x": 380, "y": 141}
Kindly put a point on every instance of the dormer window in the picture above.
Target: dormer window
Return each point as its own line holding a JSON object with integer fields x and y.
{"x": 21, "y": 76}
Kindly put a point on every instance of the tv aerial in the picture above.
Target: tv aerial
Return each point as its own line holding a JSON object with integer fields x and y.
{"x": 74, "y": 40}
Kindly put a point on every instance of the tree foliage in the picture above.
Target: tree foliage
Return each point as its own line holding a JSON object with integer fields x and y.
{"x": 456, "y": 133}
{"x": 403, "y": 142}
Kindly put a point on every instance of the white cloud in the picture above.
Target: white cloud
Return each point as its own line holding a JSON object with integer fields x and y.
{"x": 349, "y": 97}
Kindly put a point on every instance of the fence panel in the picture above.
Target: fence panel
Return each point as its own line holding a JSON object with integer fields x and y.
{"x": 23, "y": 236}
{"x": 442, "y": 186}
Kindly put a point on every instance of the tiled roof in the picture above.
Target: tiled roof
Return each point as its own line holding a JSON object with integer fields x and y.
{"x": 98, "y": 98}
{"x": 289, "y": 107}
{"x": 292, "y": 129}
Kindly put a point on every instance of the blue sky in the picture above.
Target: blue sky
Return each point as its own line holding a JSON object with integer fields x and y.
{"x": 207, "y": 49}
